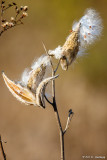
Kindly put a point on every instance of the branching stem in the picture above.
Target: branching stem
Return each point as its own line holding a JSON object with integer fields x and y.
{"x": 54, "y": 105}
{"x": 68, "y": 120}
{"x": 2, "y": 31}
{"x": 57, "y": 116}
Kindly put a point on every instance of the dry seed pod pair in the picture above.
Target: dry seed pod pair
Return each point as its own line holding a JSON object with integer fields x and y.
{"x": 31, "y": 89}
{"x": 84, "y": 33}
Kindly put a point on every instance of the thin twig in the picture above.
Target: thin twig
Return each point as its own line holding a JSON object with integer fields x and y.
{"x": 2, "y": 31}
{"x": 48, "y": 100}
{"x": 48, "y": 55}
{"x": 68, "y": 120}
{"x": 57, "y": 67}
{"x": 2, "y": 149}
{"x": 8, "y": 7}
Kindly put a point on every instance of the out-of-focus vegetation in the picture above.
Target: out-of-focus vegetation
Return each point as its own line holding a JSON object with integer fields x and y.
{"x": 31, "y": 133}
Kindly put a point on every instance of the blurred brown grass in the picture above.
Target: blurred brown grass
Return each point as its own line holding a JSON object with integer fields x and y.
{"x": 32, "y": 133}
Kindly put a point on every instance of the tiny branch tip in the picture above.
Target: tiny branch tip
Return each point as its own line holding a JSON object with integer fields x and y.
{"x": 70, "y": 112}
{"x": 70, "y": 115}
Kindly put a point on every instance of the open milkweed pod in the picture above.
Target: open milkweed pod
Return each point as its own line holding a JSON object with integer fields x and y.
{"x": 40, "y": 92}
{"x": 84, "y": 33}
{"x": 21, "y": 93}
{"x": 35, "y": 77}
{"x": 38, "y": 70}
{"x": 67, "y": 53}
{"x": 70, "y": 49}
{"x": 31, "y": 88}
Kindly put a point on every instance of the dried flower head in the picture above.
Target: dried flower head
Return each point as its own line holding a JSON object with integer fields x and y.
{"x": 20, "y": 13}
{"x": 31, "y": 88}
{"x": 84, "y": 32}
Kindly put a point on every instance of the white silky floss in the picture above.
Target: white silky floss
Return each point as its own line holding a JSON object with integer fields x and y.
{"x": 90, "y": 27}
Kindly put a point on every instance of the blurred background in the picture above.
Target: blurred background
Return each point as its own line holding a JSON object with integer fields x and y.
{"x": 32, "y": 133}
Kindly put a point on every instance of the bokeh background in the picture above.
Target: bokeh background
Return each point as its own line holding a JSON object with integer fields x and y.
{"x": 32, "y": 133}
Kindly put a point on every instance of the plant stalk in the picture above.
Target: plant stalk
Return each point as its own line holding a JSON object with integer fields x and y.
{"x": 57, "y": 116}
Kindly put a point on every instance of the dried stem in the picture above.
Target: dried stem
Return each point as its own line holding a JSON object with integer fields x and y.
{"x": 54, "y": 105}
{"x": 2, "y": 149}
{"x": 57, "y": 116}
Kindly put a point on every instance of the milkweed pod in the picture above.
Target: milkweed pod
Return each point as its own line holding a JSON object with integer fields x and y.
{"x": 84, "y": 33}
{"x": 27, "y": 90}
{"x": 21, "y": 93}
{"x": 31, "y": 78}
{"x": 40, "y": 92}
{"x": 35, "y": 77}
{"x": 38, "y": 72}
{"x": 70, "y": 49}
{"x": 64, "y": 63}
{"x": 24, "y": 95}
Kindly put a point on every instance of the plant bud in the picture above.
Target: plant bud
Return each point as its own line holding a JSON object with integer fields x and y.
{"x": 10, "y": 24}
{"x": 21, "y": 8}
{"x": 9, "y": 5}
{"x": 24, "y": 14}
{"x": 3, "y": 25}
{"x": 17, "y": 11}
{"x": 14, "y": 4}
{"x": 25, "y": 8}
{"x": 7, "y": 23}
{"x": 3, "y": 2}
{"x": 12, "y": 19}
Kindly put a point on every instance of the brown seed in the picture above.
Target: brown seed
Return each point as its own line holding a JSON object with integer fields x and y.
{"x": 85, "y": 36}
